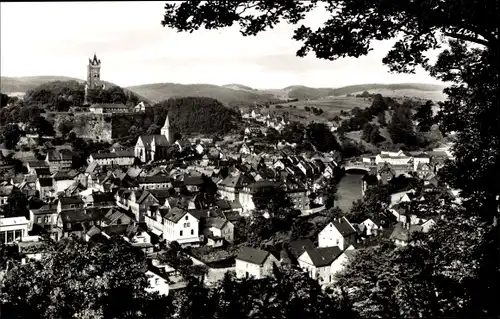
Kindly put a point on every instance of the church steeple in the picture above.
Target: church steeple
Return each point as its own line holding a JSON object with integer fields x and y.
{"x": 165, "y": 130}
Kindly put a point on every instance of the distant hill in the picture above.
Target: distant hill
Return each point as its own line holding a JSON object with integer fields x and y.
{"x": 237, "y": 94}
{"x": 234, "y": 93}
{"x": 229, "y": 95}
{"x": 25, "y": 83}
{"x": 16, "y": 85}
{"x": 303, "y": 92}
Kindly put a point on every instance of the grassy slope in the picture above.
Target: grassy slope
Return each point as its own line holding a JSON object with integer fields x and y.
{"x": 436, "y": 95}
{"x": 163, "y": 91}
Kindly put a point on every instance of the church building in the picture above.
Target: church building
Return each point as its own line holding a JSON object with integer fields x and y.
{"x": 154, "y": 147}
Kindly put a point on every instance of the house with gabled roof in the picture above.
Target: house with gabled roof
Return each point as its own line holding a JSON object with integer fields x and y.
{"x": 45, "y": 187}
{"x": 78, "y": 221}
{"x": 230, "y": 187}
{"x": 297, "y": 247}
{"x": 61, "y": 181}
{"x": 317, "y": 262}
{"x": 116, "y": 216}
{"x": 254, "y": 263}
{"x": 174, "y": 224}
{"x": 61, "y": 160}
{"x": 159, "y": 181}
{"x": 218, "y": 229}
{"x": 338, "y": 233}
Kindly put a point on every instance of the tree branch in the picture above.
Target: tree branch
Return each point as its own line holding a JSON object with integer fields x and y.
{"x": 467, "y": 38}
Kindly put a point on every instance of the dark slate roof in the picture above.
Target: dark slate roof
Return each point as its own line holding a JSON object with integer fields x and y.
{"x": 236, "y": 181}
{"x": 298, "y": 247}
{"x": 60, "y": 176}
{"x": 44, "y": 171}
{"x": 322, "y": 257}
{"x": 45, "y": 182}
{"x": 71, "y": 200}
{"x": 110, "y": 106}
{"x": 252, "y": 255}
{"x": 37, "y": 164}
{"x": 154, "y": 179}
{"x": 115, "y": 230}
{"x": 102, "y": 197}
{"x": 216, "y": 222}
{"x": 193, "y": 180}
{"x": 45, "y": 209}
{"x": 175, "y": 214}
{"x": 80, "y": 215}
{"x": 160, "y": 140}
{"x": 223, "y": 204}
{"x": 103, "y": 155}
{"x": 344, "y": 227}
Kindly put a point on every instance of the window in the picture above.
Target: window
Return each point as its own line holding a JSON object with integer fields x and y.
{"x": 39, "y": 220}
{"x": 18, "y": 234}
{"x": 187, "y": 218}
{"x": 72, "y": 206}
{"x": 180, "y": 234}
{"x": 338, "y": 241}
{"x": 186, "y": 225}
{"x": 46, "y": 219}
{"x": 157, "y": 281}
{"x": 192, "y": 231}
{"x": 10, "y": 236}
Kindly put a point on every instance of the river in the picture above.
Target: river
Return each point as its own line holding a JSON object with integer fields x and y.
{"x": 348, "y": 190}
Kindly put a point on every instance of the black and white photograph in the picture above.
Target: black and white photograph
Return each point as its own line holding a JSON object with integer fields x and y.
{"x": 269, "y": 159}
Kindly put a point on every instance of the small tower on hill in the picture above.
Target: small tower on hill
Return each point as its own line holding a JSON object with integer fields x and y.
{"x": 93, "y": 76}
{"x": 94, "y": 72}
{"x": 165, "y": 131}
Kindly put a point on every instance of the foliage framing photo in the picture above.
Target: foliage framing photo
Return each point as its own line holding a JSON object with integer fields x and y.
{"x": 466, "y": 36}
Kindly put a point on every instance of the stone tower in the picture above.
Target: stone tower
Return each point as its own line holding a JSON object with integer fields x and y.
{"x": 165, "y": 131}
{"x": 93, "y": 76}
{"x": 94, "y": 72}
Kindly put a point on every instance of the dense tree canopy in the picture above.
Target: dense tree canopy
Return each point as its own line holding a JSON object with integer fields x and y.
{"x": 10, "y": 135}
{"x": 424, "y": 117}
{"x": 195, "y": 115}
{"x": 401, "y": 127}
{"x": 78, "y": 279}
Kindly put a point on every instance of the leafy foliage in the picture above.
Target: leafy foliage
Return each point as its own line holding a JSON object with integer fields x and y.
{"x": 424, "y": 117}
{"x": 321, "y": 137}
{"x": 10, "y": 134}
{"x": 77, "y": 279}
{"x": 195, "y": 115}
{"x": 57, "y": 95}
{"x": 401, "y": 126}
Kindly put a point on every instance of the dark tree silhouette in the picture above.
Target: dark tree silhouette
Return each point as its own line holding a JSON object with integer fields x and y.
{"x": 424, "y": 117}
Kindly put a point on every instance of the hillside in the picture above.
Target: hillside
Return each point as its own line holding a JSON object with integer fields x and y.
{"x": 25, "y": 83}
{"x": 240, "y": 95}
{"x": 17, "y": 85}
{"x": 407, "y": 93}
{"x": 226, "y": 94}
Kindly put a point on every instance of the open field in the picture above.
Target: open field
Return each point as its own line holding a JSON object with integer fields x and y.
{"x": 330, "y": 106}
{"x": 409, "y": 93}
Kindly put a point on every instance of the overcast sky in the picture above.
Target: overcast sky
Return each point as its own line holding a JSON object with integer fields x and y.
{"x": 58, "y": 38}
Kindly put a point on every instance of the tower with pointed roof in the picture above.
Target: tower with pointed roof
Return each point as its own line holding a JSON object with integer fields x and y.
{"x": 94, "y": 72}
{"x": 165, "y": 131}
{"x": 93, "y": 76}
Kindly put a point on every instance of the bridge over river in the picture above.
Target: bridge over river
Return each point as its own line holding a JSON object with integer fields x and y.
{"x": 358, "y": 165}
